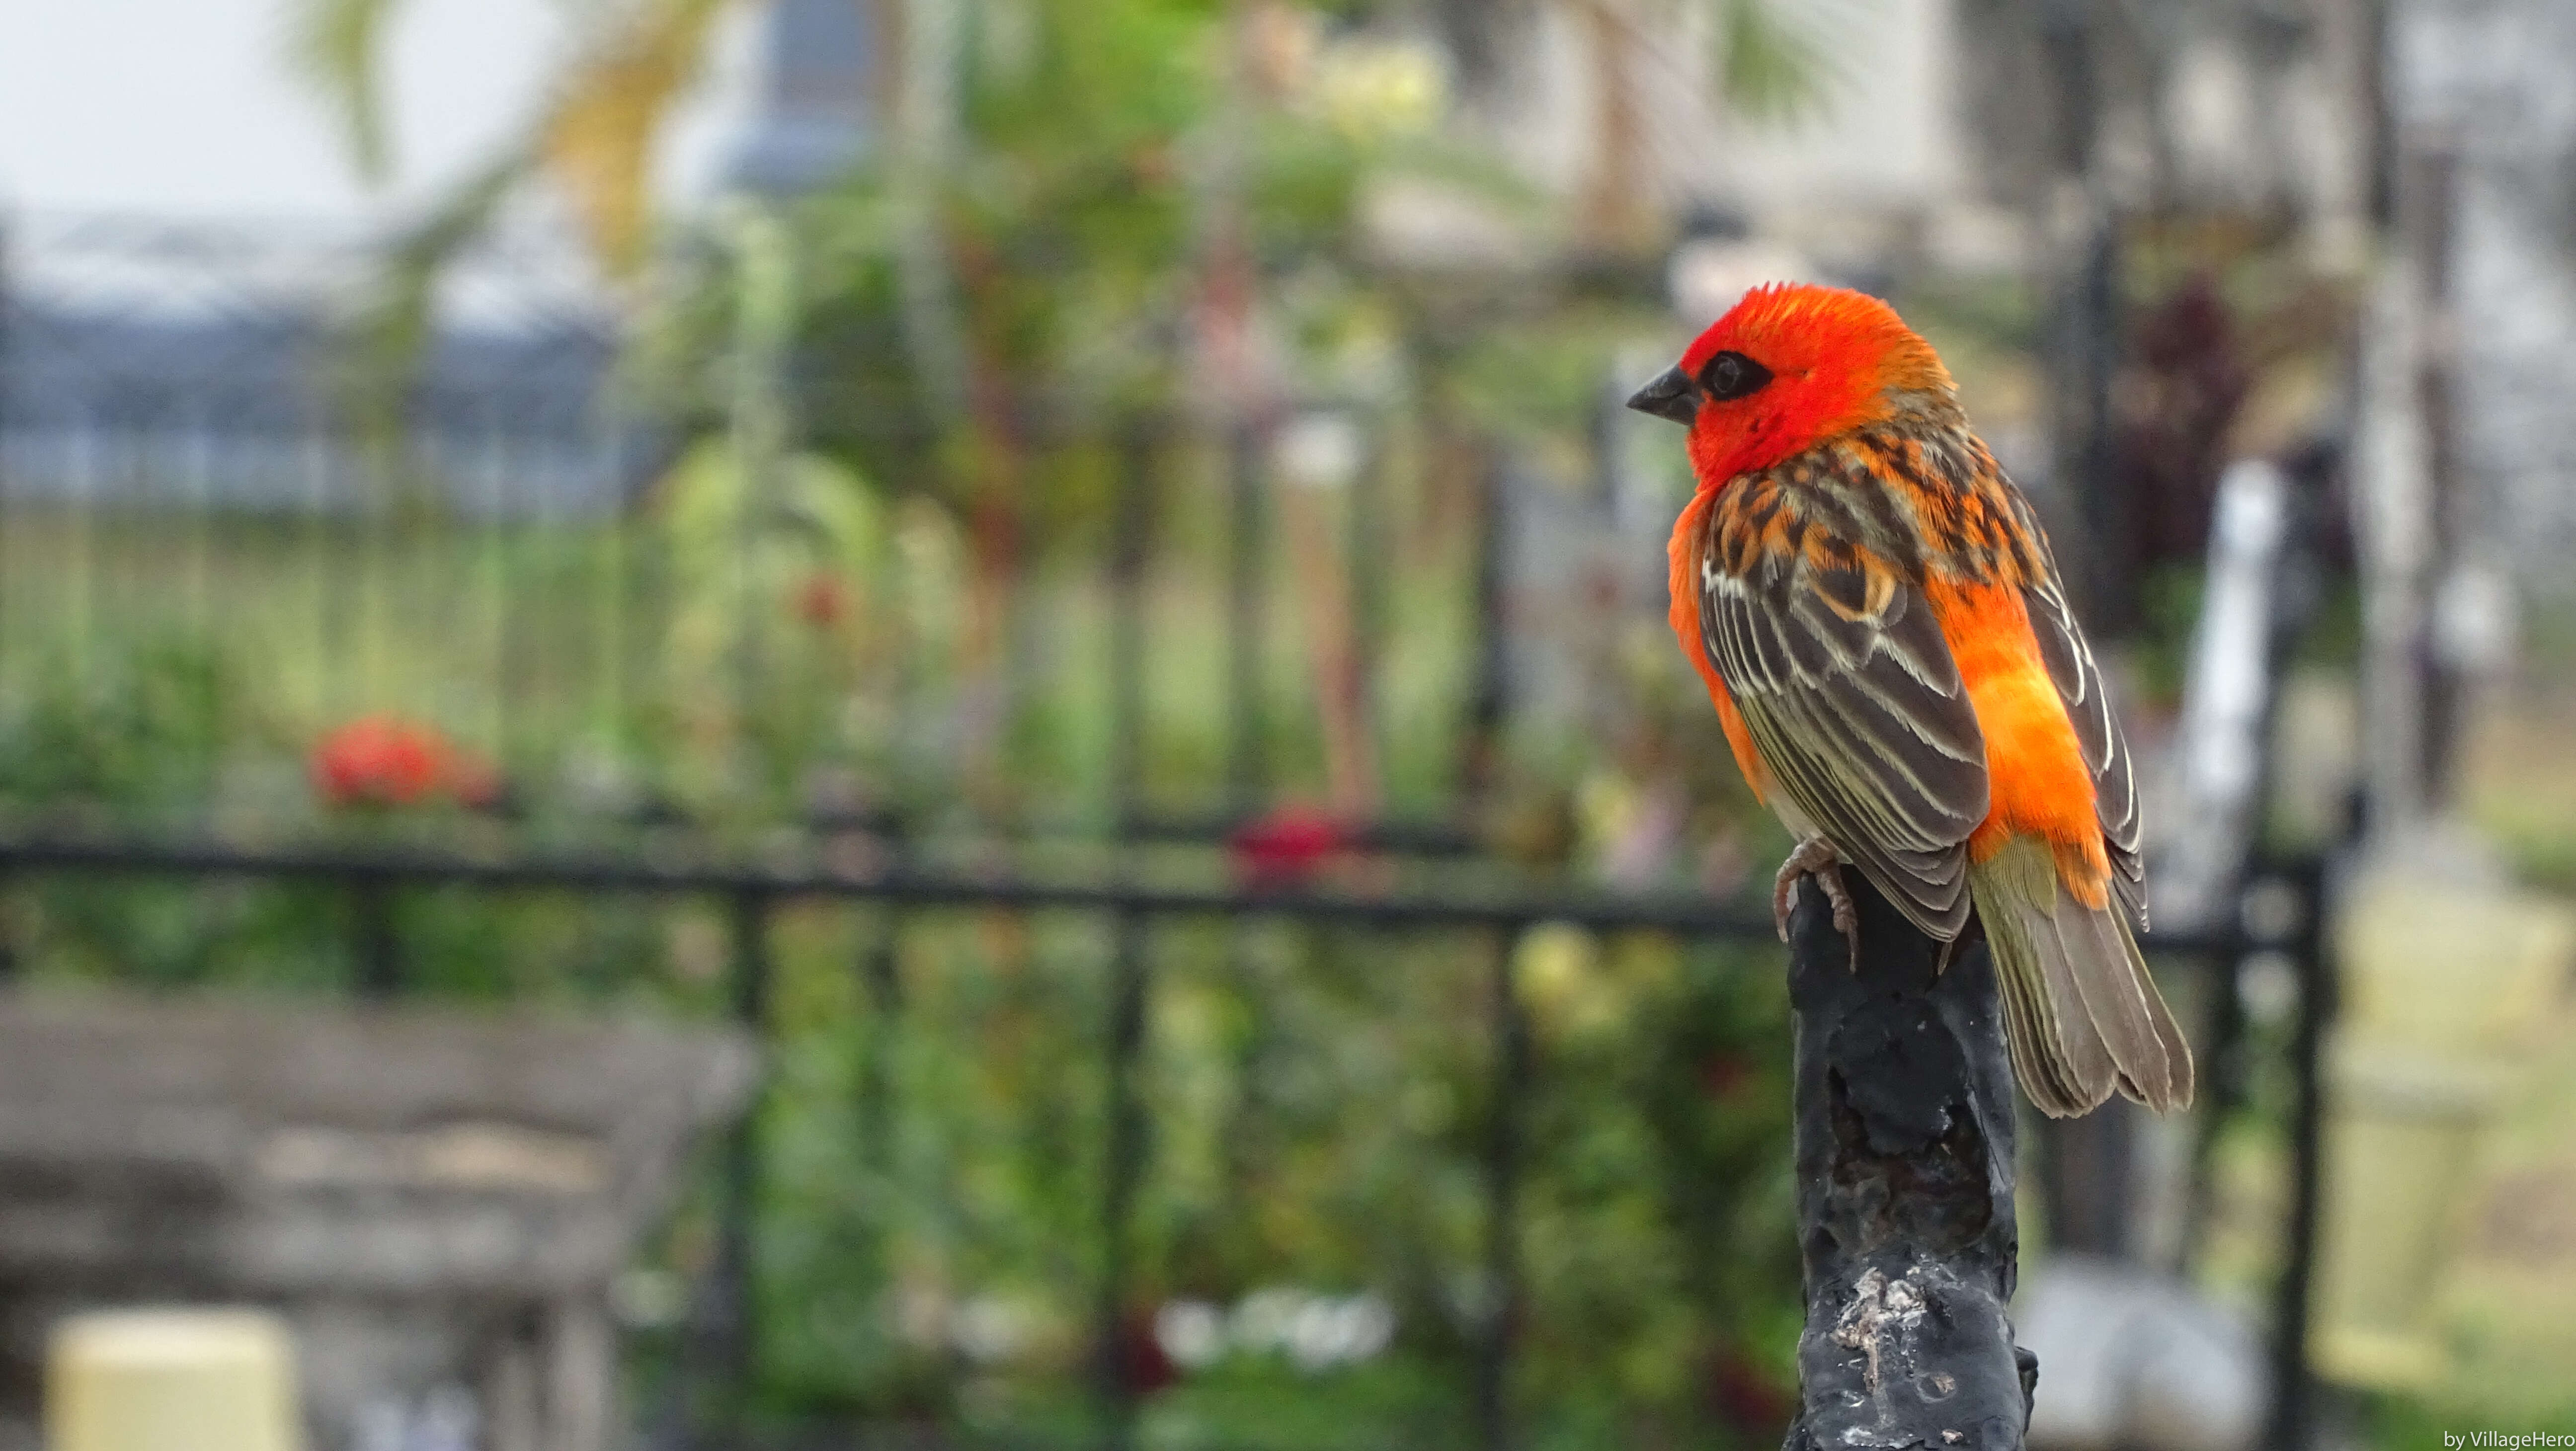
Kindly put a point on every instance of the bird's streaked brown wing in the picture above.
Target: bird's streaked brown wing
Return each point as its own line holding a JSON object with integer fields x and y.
{"x": 2078, "y": 678}
{"x": 1851, "y": 696}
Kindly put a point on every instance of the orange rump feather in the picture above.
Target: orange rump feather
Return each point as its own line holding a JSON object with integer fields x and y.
{"x": 2034, "y": 768}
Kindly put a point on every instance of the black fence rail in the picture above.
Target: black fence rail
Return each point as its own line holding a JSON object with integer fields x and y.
{"x": 722, "y": 1345}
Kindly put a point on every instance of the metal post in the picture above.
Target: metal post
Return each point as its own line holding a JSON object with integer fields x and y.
{"x": 1488, "y": 693}
{"x": 2094, "y": 325}
{"x": 2429, "y": 202}
{"x": 1130, "y": 545}
{"x": 1122, "y": 1171}
{"x": 80, "y": 608}
{"x": 378, "y": 951}
{"x": 508, "y": 658}
{"x": 2081, "y": 268}
{"x": 9, "y": 963}
{"x": 197, "y": 471}
{"x": 733, "y": 1322}
{"x": 321, "y": 455}
{"x": 1247, "y": 620}
{"x": 881, "y": 979}
{"x": 1904, "y": 1102}
{"x": 2223, "y": 1078}
{"x": 1502, "y": 1300}
{"x": 608, "y": 592}
{"x": 2291, "y": 1424}
{"x": 880, "y": 1146}
{"x": 1367, "y": 582}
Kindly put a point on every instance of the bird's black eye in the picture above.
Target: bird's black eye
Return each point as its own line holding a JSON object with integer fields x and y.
{"x": 1732, "y": 375}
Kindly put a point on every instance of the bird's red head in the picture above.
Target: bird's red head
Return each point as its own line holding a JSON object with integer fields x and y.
{"x": 1789, "y": 367}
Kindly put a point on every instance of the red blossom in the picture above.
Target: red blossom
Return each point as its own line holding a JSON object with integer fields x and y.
{"x": 1286, "y": 846}
{"x": 384, "y": 760}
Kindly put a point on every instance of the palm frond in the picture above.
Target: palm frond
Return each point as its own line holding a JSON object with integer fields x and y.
{"x": 597, "y": 139}
{"x": 1775, "y": 62}
{"x": 334, "y": 45}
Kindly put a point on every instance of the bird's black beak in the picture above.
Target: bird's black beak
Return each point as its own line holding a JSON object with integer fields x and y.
{"x": 1672, "y": 395}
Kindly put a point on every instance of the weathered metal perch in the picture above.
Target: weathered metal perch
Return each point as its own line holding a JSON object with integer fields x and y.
{"x": 1904, "y": 1102}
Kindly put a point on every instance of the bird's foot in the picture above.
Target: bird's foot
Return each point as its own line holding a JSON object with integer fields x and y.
{"x": 1815, "y": 857}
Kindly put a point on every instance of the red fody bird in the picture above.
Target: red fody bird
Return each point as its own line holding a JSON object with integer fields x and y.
{"x": 1883, "y": 630}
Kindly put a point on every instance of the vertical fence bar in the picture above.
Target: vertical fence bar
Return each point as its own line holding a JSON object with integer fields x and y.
{"x": 1502, "y": 1303}
{"x": 9, "y": 962}
{"x": 881, "y": 981}
{"x": 880, "y": 970}
{"x": 518, "y": 526}
{"x": 719, "y": 1347}
{"x": 83, "y": 445}
{"x": 380, "y": 466}
{"x": 608, "y": 582}
{"x": 1122, "y": 1172}
{"x": 319, "y": 456}
{"x": 1130, "y": 982}
{"x": 1130, "y": 545}
{"x": 644, "y": 602}
{"x": 198, "y": 477}
{"x": 544, "y": 622}
{"x": 2293, "y": 1393}
{"x": 2429, "y": 204}
{"x": 734, "y": 1322}
{"x": 492, "y": 576}
{"x": 1487, "y": 691}
{"x": 2223, "y": 1085}
{"x": 1366, "y": 574}
{"x": 378, "y": 951}
{"x": 1247, "y": 618}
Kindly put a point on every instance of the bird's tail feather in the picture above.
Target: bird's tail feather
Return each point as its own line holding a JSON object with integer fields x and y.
{"x": 2081, "y": 1012}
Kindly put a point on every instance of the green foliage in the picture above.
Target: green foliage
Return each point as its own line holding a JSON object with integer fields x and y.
{"x": 893, "y": 398}
{"x": 145, "y": 729}
{"x": 769, "y": 584}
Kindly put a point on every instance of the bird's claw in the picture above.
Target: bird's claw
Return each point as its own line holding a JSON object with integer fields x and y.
{"x": 1816, "y": 857}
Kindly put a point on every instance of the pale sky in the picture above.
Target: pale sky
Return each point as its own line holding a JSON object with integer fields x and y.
{"x": 188, "y": 108}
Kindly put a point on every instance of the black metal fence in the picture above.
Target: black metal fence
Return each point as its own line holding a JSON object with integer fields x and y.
{"x": 723, "y": 1345}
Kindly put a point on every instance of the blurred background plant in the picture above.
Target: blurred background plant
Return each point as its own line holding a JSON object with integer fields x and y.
{"x": 1160, "y": 437}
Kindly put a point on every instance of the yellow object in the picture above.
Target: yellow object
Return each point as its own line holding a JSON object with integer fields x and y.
{"x": 2447, "y": 989}
{"x": 2446, "y": 968}
{"x": 171, "y": 1380}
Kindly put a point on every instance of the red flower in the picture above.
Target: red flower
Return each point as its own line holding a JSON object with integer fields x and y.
{"x": 1286, "y": 846}
{"x": 384, "y": 760}
{"x": 822, "y": 601}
